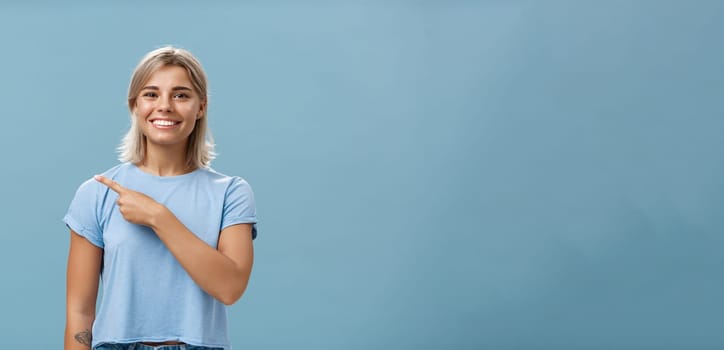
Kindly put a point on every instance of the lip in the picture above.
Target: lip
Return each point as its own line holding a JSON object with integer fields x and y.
{"x": 165, "y": 127}
{"x": 166, "y": 119}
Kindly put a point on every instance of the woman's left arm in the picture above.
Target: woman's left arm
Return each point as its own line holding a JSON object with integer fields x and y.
{"x": 223, "y": 272}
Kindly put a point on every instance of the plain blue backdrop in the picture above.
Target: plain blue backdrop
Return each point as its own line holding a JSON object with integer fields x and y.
{"x": 429, "y": 175}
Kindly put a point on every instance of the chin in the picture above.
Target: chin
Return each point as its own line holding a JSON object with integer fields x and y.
{"x": 165, "y": 142}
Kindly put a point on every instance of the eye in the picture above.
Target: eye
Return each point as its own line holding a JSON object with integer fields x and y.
{"x": 149, "y": 94}
{"x": 181, "y": 95}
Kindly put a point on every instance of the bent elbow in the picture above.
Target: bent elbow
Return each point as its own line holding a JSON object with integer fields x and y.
{"x": 232, "y": 296}
{"x": 228, "y": 301}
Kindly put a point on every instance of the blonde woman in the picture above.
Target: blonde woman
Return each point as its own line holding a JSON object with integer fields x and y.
{"x": 170, "y": 237}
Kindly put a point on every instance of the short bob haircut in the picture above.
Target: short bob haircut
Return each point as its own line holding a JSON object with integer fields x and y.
{"x": 200, "y": 148}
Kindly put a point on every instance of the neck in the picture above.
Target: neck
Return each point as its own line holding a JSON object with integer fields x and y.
{"x": 165, "y": 160}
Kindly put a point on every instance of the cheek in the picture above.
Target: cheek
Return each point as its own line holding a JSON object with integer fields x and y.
{"x": 188, "y": 113}
{"x": 142, "y": 110}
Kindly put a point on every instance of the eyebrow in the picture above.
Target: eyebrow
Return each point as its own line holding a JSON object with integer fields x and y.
{"x": 175, "y": 88}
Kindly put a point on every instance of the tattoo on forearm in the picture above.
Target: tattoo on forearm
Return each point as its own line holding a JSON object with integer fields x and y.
{"x": 84, "y": 337}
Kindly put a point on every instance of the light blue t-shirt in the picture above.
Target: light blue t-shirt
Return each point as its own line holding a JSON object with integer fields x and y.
{"x": 147, "y": 295}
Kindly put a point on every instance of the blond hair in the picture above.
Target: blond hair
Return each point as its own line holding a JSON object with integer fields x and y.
{"x": 200, "y": 149}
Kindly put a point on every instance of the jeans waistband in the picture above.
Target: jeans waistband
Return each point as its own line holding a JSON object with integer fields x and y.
{"x": 139, "y": 346}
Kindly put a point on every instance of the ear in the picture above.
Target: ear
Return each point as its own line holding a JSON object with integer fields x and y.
{"x": 202, "y": 110}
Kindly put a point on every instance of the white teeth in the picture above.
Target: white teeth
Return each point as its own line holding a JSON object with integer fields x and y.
{"x": 163, "y": 122}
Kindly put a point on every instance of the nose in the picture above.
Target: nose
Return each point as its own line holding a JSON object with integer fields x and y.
{"x": 164, "y": 104}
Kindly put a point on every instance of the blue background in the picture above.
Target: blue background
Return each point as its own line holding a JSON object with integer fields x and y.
{"x": 443, "y": 174}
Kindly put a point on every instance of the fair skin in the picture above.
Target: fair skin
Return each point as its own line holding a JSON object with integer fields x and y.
{"x": 222, "y": 272}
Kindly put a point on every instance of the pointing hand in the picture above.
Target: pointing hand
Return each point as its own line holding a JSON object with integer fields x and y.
{"x": 136, "y": 207}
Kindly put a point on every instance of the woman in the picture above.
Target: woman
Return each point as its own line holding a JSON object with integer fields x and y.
{"x": 171, "y": 238}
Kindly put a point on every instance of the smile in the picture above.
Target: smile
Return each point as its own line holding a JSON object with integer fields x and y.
{"x": 165, "y": 124}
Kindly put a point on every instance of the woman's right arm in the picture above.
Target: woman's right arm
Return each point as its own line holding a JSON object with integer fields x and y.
{"x": 84, "y": 267}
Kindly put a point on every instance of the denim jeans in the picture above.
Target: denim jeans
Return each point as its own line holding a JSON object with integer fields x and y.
{"x": 139, "y": 346}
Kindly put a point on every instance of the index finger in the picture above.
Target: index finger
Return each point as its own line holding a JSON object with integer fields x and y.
{"x": 110, "y": 183}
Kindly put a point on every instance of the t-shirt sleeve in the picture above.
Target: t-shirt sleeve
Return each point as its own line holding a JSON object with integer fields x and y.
{"x": 239, "y": 205}
{"x": 82, "y": 216}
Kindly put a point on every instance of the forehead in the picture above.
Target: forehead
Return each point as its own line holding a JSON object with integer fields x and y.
{"x": 169, "y": 75}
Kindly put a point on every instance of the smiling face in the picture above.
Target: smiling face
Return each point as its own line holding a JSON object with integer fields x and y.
{"x": 167, "y": 107}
